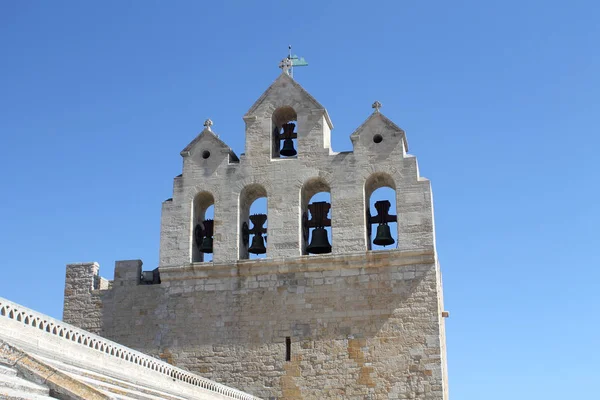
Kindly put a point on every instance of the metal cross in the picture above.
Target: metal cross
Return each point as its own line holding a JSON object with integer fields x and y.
{"x": 376, "y": 106}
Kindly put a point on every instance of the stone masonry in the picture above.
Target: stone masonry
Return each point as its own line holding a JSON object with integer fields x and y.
{"x": 361, "y": 324}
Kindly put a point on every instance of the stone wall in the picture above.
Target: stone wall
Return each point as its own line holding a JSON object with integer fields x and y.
{"x": 82, "y": 300}
{"x": 364, "y": 325}
{"x": 350, "y": 177}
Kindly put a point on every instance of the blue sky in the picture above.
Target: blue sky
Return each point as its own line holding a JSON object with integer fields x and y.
{"x": 500, "y": 104}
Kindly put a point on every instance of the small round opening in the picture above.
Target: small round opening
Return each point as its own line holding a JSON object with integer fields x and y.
{"x": 205, "y": 154}
{"x": 377, "y": 138}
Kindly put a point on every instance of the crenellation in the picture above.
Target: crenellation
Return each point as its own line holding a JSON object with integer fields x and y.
{"x": 128, "y": 272}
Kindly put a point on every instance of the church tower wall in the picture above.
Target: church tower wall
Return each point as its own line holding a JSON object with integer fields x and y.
{"x": 354, "y": 323}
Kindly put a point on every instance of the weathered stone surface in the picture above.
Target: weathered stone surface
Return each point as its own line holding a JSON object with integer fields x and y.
{"x": 360, "y": 325}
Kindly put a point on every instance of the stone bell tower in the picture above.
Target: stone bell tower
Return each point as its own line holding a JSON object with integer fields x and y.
{"x": 326, "y": 313}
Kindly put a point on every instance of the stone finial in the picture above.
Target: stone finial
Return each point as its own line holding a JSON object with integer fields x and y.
{"x": 285, "y": 65}
{"x": 376, "y": 106}
{"x": 207, "y": 124}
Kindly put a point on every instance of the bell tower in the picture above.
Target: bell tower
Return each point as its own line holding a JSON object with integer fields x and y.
{"x": 347, "y": 299}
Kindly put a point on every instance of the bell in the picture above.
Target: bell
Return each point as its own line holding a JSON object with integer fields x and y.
{"x": 384, "y": 236}
{"x": 198, "y": 236}
{"x": 319, "y": 243}
{"x": 207, "y": 245}
{"x": 258, "y": 245}
{"x": 288, "y": 148}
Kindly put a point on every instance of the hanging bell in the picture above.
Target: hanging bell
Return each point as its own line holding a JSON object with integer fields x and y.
{"x": 207, "y": 245}
{"x": 198, "y": 236}
{"x": 384, "y": 236}
{"x": 207, "y": 242}
{"x": 319, "y": 243}
{"x": 258, "y": 245}
{"x": 288, "y": 149}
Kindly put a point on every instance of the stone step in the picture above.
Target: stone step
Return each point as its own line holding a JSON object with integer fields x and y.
{"x": 114, "y": 387}
{"x": 122, "y": 390}
{"x": 15, "y": 383}
{"x": 9, "y": 394}
{"x": 6, "y": 370}
{"x": 121, "y": 393}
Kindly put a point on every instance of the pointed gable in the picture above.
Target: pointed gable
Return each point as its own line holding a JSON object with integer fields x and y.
{"x": 285, "y": 83}
{"x": 208, "y": 140}
{"x": 379, "y": 124}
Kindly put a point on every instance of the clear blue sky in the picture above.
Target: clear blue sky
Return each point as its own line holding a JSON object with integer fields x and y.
{"x": 500, "y": 102}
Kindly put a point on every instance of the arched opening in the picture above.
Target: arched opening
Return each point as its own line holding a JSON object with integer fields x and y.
{"x": 202, "y": 227}
{"x": 316, "y": 217}
{"x": 285, "y": 136}
{"x": 381, "y": 214}
{"x": 253, "y": 222}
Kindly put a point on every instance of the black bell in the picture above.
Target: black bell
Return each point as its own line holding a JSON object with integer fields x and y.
{"x": 288, "y": 149}
{"x": 198, "y": 236}
{"x": 258, "y": 245}
{"x": 319, "y": 243}
{"x": 384, "y": 236}
{"x": 207, "y": 245}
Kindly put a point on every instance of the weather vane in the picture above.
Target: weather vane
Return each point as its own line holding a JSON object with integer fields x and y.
{"x": 287, "y": 64}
